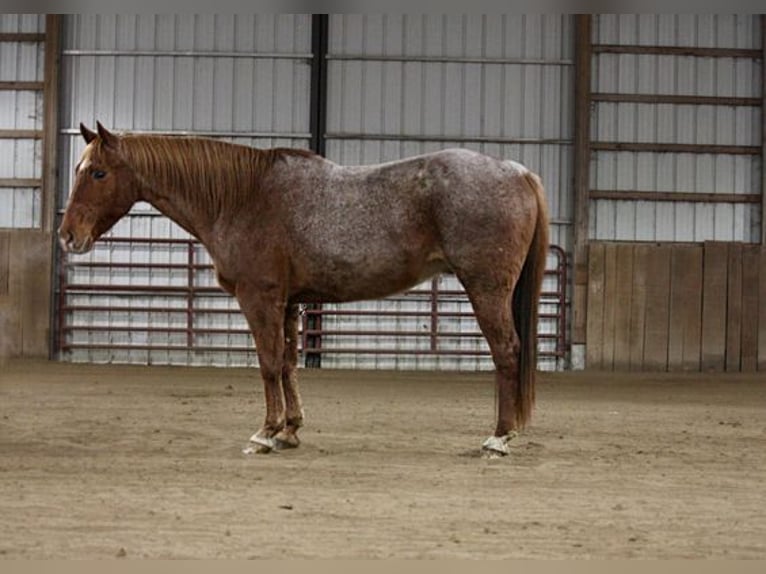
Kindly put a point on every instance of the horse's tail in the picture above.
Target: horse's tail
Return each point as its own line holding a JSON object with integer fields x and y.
{"x": 526, "y": 298}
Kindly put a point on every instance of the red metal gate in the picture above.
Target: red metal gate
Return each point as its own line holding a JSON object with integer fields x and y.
{"x": 155, "y": 301}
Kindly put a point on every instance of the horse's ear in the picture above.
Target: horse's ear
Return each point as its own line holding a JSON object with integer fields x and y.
{"x": 109, "y": 139}
{"x": 89, "y": 135}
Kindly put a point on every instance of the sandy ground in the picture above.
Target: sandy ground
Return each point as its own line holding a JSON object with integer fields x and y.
{"x": 134, "y": 462}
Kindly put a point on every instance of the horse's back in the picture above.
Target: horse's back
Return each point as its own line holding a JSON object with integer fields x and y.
{"x": 366, "y": 231}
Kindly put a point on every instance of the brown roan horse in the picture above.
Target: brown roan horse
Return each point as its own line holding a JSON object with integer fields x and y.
{"x": 286, "y": 226}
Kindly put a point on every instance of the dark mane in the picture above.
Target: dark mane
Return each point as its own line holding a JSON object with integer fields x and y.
{"x": 215, "y": 174}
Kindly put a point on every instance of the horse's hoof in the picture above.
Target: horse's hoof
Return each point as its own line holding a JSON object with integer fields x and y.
{"x": 257, "y": 449}
{"x": 284, "y": 440}
{"x": 260, "y": 445}
{"x": 497, "y": 446}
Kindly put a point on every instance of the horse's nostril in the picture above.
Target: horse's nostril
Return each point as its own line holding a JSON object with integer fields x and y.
{"x": 65, "y": 238}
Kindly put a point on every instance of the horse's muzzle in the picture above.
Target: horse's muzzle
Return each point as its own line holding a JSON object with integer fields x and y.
{"x": 71, "y": 245}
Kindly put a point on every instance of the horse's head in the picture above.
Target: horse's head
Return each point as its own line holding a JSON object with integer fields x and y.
{"x": 104, "y": 189}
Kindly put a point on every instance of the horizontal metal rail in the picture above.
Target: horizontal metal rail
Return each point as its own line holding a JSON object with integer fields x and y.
{"x": 445, "y": 138}
{"x": 415, "y": 59}
{"x": 189, "y": 54}
{"x": 75, "y": 132}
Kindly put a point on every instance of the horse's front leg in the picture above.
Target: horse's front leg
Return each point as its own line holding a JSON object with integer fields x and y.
{"x": 265, "y": 314}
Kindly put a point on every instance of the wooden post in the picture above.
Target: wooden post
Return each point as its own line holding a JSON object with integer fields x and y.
{"x": 763, "y": 129}
{"x": 50, "y": 166}
{"x": 581, "y": 177}
{"x": 50, "y": 119}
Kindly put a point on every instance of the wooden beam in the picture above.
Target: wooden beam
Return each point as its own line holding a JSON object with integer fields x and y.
{"x": 50, "y": 119}
{"x": 21, "y": 37}
{"x": 763, "y": 133}
{"x": 21, "y": 86}
{"x": 20, "y": 182}
{"x": 694, "y": 51}
{"x": 676, "y": 148}
{"x": 675, "y": 99}
{"x": 21, "y": 134}
{"x": 631, "y": 195}
{"x": 582, "y": 74}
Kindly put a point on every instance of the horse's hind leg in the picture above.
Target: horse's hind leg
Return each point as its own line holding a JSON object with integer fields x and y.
{"x": 491, "y": 302}
{"x": 288, "y": 437}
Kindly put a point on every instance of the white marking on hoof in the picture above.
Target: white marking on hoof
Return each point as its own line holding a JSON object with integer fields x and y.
{"x": 263, "y": 445}
{"x": 496, "y": 446}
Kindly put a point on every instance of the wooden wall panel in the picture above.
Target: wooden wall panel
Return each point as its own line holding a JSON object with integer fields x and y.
{"x": 762, "y": 311}
{"x": 5, "y": 252}
{"x": 595, "y": 320}
{"x": 25, "y": 309}
{"x": 657, "y": 317}
{"x": 610, "y": 305}
{"x": 36, "y": 292}
{"x": 685, "y": 308}
{"x": 638, "y": 308}
{"x": 750, "y": 279}
{"x": 622, "y": 305}
{"x": 677, "y": 307}
{"x": 715, "y": 260}
{"x": 734, "y": 307}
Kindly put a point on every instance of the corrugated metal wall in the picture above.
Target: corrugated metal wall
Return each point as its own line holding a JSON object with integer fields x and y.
{"x": 21, "y": 109}
{"x": 736, "y": 125}
{"x": 241, "y": 78}
{"x": 397, "y": 86}
{"x": 401, "y": 85}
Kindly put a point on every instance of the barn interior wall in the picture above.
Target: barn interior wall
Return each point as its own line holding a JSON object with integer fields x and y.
{"x": 249, "y": 81}
{"x": 26, "y": 101}
{"x": 675, "y": 193}
{"x": 667, "y": 120}
{"x": 675, "y": 139}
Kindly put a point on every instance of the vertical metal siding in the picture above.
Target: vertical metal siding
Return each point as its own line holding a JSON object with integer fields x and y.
{"x": 401, "y": 85}
{"x": 674, "y": 123}
{"x": 20, "y": 158}
{"x": 241, "y": 78}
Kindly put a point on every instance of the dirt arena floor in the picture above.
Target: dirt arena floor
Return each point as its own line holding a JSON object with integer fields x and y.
{"x": 135, "y": 462}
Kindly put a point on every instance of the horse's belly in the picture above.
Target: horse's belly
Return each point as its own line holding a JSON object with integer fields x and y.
{"x": 362, "y": 281}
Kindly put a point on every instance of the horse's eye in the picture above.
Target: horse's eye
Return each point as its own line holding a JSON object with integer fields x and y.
{"x": 98, "y": 174}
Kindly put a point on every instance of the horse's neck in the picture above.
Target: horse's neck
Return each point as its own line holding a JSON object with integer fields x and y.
{"x": 174, "y": 204}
